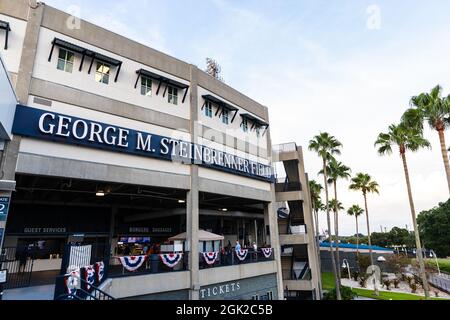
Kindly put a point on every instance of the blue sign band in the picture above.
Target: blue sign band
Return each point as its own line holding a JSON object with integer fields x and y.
{"x": 51, "y": 126}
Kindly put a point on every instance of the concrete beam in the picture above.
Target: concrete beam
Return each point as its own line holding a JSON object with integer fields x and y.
{"x": 148, "y": 284}
{"x": 232, "y": 273}
{"x": 298, "y": 285}
{"x": 289, "y": 196}
{"x": 288, "y": 239}
{"x": 233, "y": 190}
{"x": 58, "y": 92}
{"x": 58, "y": 167}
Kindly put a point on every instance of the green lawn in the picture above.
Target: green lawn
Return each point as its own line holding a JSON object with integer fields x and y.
{"x": 328, "y": 284}
{"x": 444, "y": 264}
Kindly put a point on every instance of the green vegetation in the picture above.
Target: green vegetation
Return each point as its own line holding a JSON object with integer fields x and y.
{"x": 328, "y": 284}
{"x": 444, "y": 264}
{"x": 434, "y": 226}
{"x": 389, "y": 295}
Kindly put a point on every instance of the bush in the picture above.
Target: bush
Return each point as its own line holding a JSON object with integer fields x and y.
{"x": 396, "y": 262}
{"x": 363, "y": 262}
{"x": 355, "y": 275}
{"x": 363, "y": 280}
{"x": 387, "y": 284}
{"x": 346, "y": 294}
{"x": 413, "y": 287}
{"x": 396, "y": 282}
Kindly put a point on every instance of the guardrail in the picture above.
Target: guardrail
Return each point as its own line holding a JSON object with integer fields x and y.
{"x": 231, "y": 259}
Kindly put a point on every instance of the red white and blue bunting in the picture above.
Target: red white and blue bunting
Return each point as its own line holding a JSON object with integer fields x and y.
{"x": 171, "y": 259}
{"x": 89, "y": 276}
{"x": 210, "y": 257}
{"x": 132, "y": 263}
{"x": 72, "y": 281}
{"x": 99, "y": 271}
{"x": 242, "y": 254}
{"x": 267, "y": 252}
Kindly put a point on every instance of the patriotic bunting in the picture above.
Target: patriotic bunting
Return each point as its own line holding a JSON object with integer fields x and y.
{"x": 242, "y": 254}
{"x": 210, "y": 257}
{"x": 171, "y": 259}
{"x": 99, "y": 271}
{"x": 267, "y": 252}
{"x": 89, "y": 276}
{"x": 132, "y": 263}
{"x": 72, "y": 281}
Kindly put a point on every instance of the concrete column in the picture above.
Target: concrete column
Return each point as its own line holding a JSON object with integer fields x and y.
{"x": 10, "y": 152}
{"x": 309, "y": 221}
{"x": 271, "y": 217}
{"x": 27, "y": 60}
{"x": 192, "y": 203}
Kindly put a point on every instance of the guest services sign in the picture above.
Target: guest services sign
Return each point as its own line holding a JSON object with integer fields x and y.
{"x": 41, "y": 124}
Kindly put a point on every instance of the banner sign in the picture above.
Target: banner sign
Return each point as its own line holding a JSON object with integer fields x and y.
{"x": 4, "y": 206}
{"x": 41, "y": 124}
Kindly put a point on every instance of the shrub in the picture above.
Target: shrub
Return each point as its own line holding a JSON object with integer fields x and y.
{"x": 363, "y": 280}
{"x": 346, "y": 294}
{"x": 413, "y": 287}
{"x": 355, "y": 275}
{"x": 396, "y": 282}
{"x": 387, "y": 284}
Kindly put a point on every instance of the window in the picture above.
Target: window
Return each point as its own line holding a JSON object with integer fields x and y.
{"x": 258, "y": 131}
{"x": 225, "y": 116}
{"x": 245, "y": 125}
{"x": 65, "y": 60}
{"x": 173, "y": 95}
{"x": 102, "y": 73}
{"x": 208, "y": 109}
{"x": 269, "y": 295}
{"x": 146, "y": 86}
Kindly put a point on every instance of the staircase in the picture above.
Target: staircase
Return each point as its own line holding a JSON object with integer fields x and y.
{"x": 81, "y": 294}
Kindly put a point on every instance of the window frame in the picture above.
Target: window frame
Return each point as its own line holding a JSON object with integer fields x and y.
{"x": 225, "y": 116}
{"x": 208, "y": 109}
{"x": 172, "y": 95}
{"x": 97, "y": 72}
{"x": 65, "y": 60}
{"x": 244, "y": 125}
{"x": 146, "y": 86}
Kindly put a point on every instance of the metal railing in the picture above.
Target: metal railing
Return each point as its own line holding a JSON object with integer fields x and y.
{"x": 82, "y": 293}
{"x": 152, "y": 265}
{"x": 231, "y": 259}
{"x": 285, "y": 147}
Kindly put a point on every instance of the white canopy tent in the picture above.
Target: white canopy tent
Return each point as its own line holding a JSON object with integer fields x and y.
{"x": 207, "y": 241}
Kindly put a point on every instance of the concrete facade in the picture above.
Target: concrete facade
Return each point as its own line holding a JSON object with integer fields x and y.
{"x": 39, "y": 84}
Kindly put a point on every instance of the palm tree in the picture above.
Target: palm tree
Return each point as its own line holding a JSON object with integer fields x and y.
{"x": 336, "y": 170}
{"x": 356, "y": 211}
{"x": 364, "y": 183}
{"x": 434, "y": 109}
{"x": 315, "y": 190}
{"x": 326, "y": 146}
{"x": 406, "y": 139}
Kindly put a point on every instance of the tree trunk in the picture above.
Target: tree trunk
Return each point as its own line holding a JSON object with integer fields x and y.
{"x": 333, "y": 262}
{"x": 419, "y": 252}
{"x": 357, "y": 237}
{"x": 336, "y": 231}
{"x": 445, "y": 156}
{"x": 370, "y": 242}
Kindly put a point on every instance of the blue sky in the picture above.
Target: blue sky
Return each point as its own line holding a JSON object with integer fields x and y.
{"x": 318, "y": 67}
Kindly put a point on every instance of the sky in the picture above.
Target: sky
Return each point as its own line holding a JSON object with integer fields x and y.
{"x": 347, "y": 67}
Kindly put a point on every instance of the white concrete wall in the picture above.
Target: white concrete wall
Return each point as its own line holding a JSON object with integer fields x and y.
{"x": 123, "y": 90}
{"x": 232, "y": 129}
{"x": 232, "y": 178}
{"x": 15, "y": 42}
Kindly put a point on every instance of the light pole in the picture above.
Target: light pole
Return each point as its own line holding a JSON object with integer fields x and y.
{"x": 433, "y": 254}
{"x": 345, "y": 264}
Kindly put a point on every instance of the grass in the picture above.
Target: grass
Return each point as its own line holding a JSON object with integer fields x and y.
{"x": 444, "y": 264}
{"x": 328, "y": 284}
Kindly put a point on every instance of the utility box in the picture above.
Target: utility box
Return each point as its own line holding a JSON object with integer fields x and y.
{"x": 8, "y": 103}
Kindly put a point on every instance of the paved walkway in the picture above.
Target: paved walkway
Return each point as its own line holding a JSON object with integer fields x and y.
{"x": 30, "y": 293}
